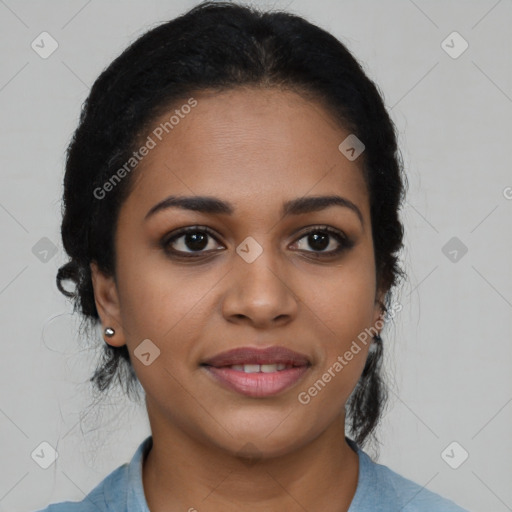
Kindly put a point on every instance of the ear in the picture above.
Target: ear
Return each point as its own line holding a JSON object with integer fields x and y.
{"x": 107, "y": 304}
{"x": 379, "y": 310}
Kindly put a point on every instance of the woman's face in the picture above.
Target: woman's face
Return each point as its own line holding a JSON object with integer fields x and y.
{"x": 254, "y": 279}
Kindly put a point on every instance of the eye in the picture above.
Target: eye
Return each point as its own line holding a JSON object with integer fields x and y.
{"x": 321, "y": 238}
{"x": 196, "y": 241}
{"x": 190, "y": 240}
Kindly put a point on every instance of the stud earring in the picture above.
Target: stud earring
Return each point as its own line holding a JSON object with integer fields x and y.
{"x": 109, "y": 332}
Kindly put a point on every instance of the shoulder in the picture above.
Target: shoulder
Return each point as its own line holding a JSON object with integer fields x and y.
{"x": 412, "y": 496}
{"x": 111, "y": 490}
{"x": 119, "y": 491}
{"x": 381, "y": 488}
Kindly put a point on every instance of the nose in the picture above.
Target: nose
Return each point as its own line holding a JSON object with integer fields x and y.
{"x": 259, "y": 294}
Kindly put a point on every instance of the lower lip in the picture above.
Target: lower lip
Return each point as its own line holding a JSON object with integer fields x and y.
{"x": 257, "y": 384}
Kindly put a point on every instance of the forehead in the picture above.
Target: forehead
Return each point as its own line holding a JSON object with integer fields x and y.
{"x": 253, "y": 147}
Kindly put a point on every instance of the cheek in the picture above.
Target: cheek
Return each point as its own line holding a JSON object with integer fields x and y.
{"x": 343, "y": 309}
{"x": 344, "y": 302}
{"x": 172, "y": 308}
{"x": 158, "y": 299}
{"x": 344, "y": 316}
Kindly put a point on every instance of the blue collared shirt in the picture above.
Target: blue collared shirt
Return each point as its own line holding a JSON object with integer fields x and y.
{"x": 378, "y": 489}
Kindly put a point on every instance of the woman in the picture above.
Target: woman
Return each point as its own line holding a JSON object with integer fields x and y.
{"x": 231, "y": 214}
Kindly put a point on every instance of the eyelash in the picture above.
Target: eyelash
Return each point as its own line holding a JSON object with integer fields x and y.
{"x": 345, "y": 242}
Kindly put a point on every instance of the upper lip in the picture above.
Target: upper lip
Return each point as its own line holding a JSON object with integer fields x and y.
{"x": 251, "y": 355}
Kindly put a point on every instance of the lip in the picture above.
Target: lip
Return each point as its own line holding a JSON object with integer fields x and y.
{"x": 251, "y": 355}
{"x": 257, "y": 384}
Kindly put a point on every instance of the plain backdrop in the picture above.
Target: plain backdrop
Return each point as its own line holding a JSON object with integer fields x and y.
{"x": 449, "y": 350}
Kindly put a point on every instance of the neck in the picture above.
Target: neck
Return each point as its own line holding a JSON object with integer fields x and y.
{"x": 184, "y": 474}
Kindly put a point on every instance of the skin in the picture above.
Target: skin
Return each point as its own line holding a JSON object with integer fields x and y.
{"x": 255, "y": 148}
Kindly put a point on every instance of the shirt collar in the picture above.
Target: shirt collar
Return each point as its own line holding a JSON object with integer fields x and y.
{"x": 135, "y": 499}
{"x": 365, "y": 475}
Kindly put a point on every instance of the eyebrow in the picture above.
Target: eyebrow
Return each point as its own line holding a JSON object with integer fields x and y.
{"x": 213, "y": 205}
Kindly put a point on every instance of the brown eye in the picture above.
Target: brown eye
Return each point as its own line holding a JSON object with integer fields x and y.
{"x": 187, "y": 241}
{"x": 325, "y": 241}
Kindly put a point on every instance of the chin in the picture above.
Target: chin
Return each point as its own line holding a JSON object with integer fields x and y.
{"x": 258, "y": 438}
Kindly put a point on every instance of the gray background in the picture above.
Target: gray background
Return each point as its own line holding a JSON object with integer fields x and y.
{"x": 448, "y": 351}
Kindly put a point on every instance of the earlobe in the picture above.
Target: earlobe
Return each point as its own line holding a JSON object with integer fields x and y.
{"x": 379, "y": 313}
{"x": 107, "y": 304}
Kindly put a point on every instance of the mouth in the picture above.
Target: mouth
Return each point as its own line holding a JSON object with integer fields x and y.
{"x": 257, "y": 368}
{"x": 257, "y": 372}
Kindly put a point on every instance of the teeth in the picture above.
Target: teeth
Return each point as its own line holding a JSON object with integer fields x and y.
{"x": 255, "y": 368}
{"x": 251, "y": 368}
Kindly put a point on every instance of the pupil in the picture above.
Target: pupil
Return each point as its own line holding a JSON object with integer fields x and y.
{"x": 195, "y": 241}
{"x": 313, "y": 240}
